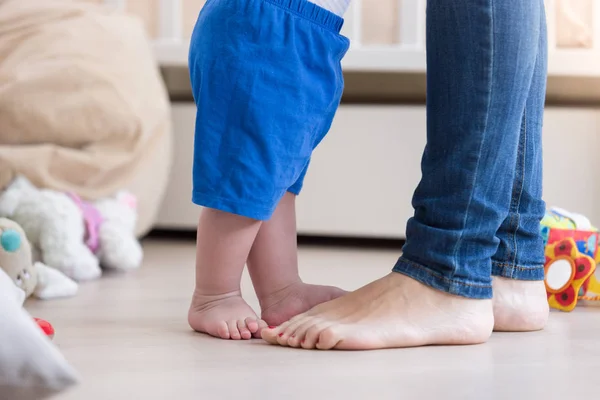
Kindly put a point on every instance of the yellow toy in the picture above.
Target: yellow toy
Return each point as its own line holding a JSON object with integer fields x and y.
{"x": 572, "y": 254}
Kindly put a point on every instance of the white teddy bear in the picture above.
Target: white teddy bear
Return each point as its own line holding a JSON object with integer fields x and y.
{"x": 73, "y": 236}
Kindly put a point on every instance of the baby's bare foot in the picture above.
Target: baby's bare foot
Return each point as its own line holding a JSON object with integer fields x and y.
{"x": 226, "y": 316}
{"x": 294, "y": 299}
{"x": 519, "y": 306}
{"x": 394, "y": 311}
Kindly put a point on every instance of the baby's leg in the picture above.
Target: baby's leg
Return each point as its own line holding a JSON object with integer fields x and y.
{"x": 224, "y": 241}
{"x": 273, "y": 266}
{"x": 255, "y": 132}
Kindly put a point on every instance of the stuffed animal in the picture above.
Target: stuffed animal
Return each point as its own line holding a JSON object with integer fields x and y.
{"x": 72, "y": 235}
{"x": 12, "y": 292}
{"x": 32, "y": 278}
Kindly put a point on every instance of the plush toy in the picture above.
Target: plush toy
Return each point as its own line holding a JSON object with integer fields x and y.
{"x": 17, "y": 293}
{"x": 572, "y": 255}
{"x": 32, "y": 278}
{"x": 71, "y": 235}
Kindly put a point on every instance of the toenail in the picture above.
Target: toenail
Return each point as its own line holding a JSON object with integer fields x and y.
{"x": 272, "y": 327}
{"x": 293, "y": 336}
{"x": 281, "y": 334}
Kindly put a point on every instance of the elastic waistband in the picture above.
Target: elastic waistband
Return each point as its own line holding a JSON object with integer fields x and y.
{"x": 312, "y": 12}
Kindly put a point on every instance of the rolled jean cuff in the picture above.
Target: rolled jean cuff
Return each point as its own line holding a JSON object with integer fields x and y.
{"x": 518, "y": 272}
{"x": 437, "y": 281}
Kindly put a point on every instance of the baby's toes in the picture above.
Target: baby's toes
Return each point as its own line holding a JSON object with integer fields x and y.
{"x": 243, "y": 329}
{"x": 234, "y": 332}
{"x": 223, "y": 330}
{"x": 262, "y": 326}
{"x": 252, "y": 324}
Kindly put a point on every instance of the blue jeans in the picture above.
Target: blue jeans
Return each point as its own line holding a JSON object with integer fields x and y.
{"x": 479, "y": 204}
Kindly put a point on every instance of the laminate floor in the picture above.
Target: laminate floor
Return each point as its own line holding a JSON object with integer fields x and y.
{"x": 128, "y": 337}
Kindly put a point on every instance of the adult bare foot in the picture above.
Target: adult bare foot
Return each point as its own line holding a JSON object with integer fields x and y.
{"x": 226, "y": 316}
{"x": 519, "y": 306}
{"x": 394, "y": 311}
{"x": 294, "y": 299}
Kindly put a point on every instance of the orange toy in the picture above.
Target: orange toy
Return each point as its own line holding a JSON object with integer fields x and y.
{"x": 566, "y": 271}
{"x": 572, "y": 254}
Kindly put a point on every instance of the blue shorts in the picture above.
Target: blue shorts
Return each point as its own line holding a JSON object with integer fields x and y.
{"x": 267, "y": 80}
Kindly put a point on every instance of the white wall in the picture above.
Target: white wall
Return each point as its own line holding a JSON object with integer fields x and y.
{"x": 362, "y": 176}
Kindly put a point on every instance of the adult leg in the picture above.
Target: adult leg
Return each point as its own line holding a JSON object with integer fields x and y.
{"x": 520, "y": 302}
{"x": 481, "y": 55}
{"x": 273, "y": 267}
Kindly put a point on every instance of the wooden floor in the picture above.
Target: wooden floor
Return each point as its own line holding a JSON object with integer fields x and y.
{"x": 128, "y": 337}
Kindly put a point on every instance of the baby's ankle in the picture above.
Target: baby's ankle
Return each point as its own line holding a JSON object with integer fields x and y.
{"x": 204, "y": 294}
{"x": 294, "y": 299}
{"x": 271, "y": 293}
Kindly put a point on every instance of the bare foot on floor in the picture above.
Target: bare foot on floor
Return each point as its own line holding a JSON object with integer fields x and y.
{"x": 519, "y": 306}
{"x": 226, "y": 316}
{"x": 284, "y": 304}
{"x": 394, "y": 311}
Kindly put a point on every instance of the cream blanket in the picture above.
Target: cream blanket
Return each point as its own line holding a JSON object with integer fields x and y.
{"x": 82, "y": 104}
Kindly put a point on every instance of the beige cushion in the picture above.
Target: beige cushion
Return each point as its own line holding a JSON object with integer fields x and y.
{"x": 82, "y": 104}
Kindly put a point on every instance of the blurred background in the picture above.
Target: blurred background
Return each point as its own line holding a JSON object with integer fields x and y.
{"x": 381, "y": 122}
{"x": 95, "y": 102}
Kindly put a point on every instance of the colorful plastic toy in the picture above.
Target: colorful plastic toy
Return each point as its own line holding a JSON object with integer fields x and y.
{"x": 46, "y": 327}
{"x": 572, "y": 254}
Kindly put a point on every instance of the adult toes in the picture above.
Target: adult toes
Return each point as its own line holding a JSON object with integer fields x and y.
{"x": 328, "y": 338}
{"x": 270, "y": 334}
{"x": 312, "y": 334}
